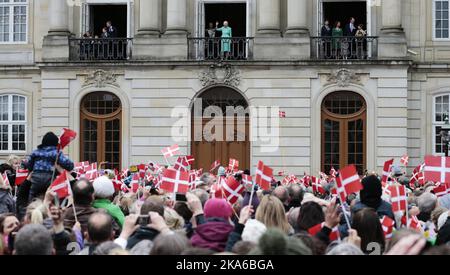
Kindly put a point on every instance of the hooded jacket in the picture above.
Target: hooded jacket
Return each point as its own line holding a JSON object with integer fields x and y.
{"x": 212, "y": 235}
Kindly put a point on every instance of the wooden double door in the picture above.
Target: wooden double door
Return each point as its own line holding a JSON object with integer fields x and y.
{"x": 344, "y": 128}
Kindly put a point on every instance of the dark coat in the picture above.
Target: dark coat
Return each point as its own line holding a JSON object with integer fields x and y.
{"x": 112, "y": 32}
{"x": 326, "y": 32}
{"x": 212, "y": 235}
{"x": 83, "y": 214}
{"x": 7, "y": 204}
{"x": 143, "y": 233}
{"x": 348, "y": 31}
{"x": 385, "y": 209}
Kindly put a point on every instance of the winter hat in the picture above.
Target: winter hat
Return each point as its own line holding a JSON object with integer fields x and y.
{"x": 253, "y": 230}
{"x": 218, "y": 208}
{"x": 49, "y": 139}
{"x": 103, "y": 187}
{"x": 442, "y": 220}
{"x": 221, "y": 172}
{"x": 372, "y": 192}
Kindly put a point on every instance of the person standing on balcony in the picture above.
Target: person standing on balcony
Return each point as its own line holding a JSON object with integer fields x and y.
{"x": 350, "y": 31}
{"x": 112, "y": 31}
{"x": 337, "y": 35}
{"x": 326, "y": 33}
{"x": 211, "y": 49}
{"x": 361, "y": 42}
{"x": 226, "y": 42}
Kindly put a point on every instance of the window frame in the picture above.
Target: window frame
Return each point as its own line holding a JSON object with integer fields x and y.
{"x": 433, "y": 11}
{"x": 10, "y": 122}
{"x": 13, "y": 4}
{"x": 436, "y": 124}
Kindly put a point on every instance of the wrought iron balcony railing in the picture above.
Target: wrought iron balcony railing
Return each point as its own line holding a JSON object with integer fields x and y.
{"x": 98, "y": 49}
{"x": 344, "y": 47}
{"x": 218, "y": 48}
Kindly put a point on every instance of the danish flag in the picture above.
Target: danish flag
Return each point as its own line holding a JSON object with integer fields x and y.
{"x": 399, "y": 200}
{"x": 247, "y": 180}
{"x": 66, "y": 137}
{"x": 387, "y": 170}
{"x": 134, "y": 184}
{"x": 190, "y": 160}
{"x": 281, "y": 173}
{"x": 182, "y": 164}
{"x": 230, "y": 190}
{"x": 413, "y": 223}
{"x": 91, "y": 172}
{"x": 348, "y": 182}
{"x": 61, "y": 186}
{"x": 170, "y": 151}
{"x": 233, "y": 165}
{"x": 124, "y": 188}
{"x": 81, "y": 165}
{"x": 334, "y": 235}
{"x": 437, "y": 169}
{"x": 441, "y": 189}
{"x": 175, "y": 181}
{"x": 388, "y": 226}
{"x": 264, "y": 175}
{"x": 215, "y": 165}
{"x": 21, "y": 176}
{"x": 404, "y": 160}
{"x": 333, "y": 172}
{"x": 306, "y": 180}
{"x": 117, "y": 181}
{"x": 291, "y": 179}
{"x": 142, "y": 168}
{"x": 282, "y": 114}
{"x": 317, "y": 186}
{"x": 418, "y": 176}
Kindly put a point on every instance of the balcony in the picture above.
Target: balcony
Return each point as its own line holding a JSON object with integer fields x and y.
{"x": 220, "y": 49}
{"x": 344, "y": 48}
{"x": 100, "y": 49}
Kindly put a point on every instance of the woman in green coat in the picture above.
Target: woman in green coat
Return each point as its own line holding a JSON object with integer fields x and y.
{"x": 337, "y": 35}
{"x": 226, "y": 33}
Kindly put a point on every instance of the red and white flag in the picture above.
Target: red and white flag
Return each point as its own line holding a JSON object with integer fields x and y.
{"x": 21, "y": 176}
{"x": 348, "y": 182}
{"x": 264, "y": 175}
{"x": 81, "y": 165}
{"x": 317, "y": 186}
{"x": 388, "y": 226}
{"x": 124, "y": 188}
{"x": 418, "y": 176}
{"x": 91, "y": 172}
{"x": 181, "y": 164}
{"x": 404, "y": 160}
{"x": 170, "y": 151}
{"x": 142, "y": 169}
{"x": 281, "y": 173}
{"x": 247, "y": 181}
{"x": 233, "y": 165}
{"x": 334, "y": 235}
{"x": 66, "y": 137}
{"x": 413, "y": 223}
{"x": 441, "y": 189}
{"x": 190, "y": 160}
{"x": 6, "y": 183}
{"x": 175, "y": 181}
{"x": 333, "y": 172}
{"x": 437, "y": 169}
{"x": 282, "y": 114}
{"x": 399, "y": 199}
{"x": 117, "y": 181}
{"x": 61, "y": 186}
{"x": 134, "y": 184}
{"x": 215, "y": 165}
{"x": 387, "y": 170}
{"x": 230, "y": 190}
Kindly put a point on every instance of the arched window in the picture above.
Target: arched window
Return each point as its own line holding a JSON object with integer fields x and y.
{"x": 440, "y": 118}
{"x": 343, "y": 131}
{"x": 13, "y": 123}
{"x": 101, "y": 123}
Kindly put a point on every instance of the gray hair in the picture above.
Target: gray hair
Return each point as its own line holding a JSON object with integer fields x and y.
{"x": 345, "y": 249}
{"x": 427, "y": 202}
{"x": 105, "y": 248}
{"x": 33, "y": 239}
{"x": 201, "y": 194}
{"x": 142, "y": 248}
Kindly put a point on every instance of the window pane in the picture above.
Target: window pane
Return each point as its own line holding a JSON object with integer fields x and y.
{"x": 4, "y": 24}
{"x": 4, "y": 108}
{"x": 3, "y": 137}
{"x": 18, "y": 108}
{"x": 18, "y": 137}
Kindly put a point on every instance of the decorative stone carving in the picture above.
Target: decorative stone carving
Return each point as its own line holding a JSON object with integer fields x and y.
{"x": 344, "y": 77}
{"x": 220, "y": 74}
{"x": 100, "y": 78}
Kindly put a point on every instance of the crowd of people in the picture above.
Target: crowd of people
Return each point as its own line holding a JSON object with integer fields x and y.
{"x": 347, "y": 42}
{"x": 286, "y": 219}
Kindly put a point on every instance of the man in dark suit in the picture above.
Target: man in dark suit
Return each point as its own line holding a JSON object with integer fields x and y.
{"x": 112, "y": 31}
{"x": 350, "y": 28}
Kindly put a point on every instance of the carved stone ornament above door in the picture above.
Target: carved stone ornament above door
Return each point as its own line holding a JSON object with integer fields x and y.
{"x": 100, "y": 79}
{"x": 220, "y": 74}
{"x": 343, "y": 77}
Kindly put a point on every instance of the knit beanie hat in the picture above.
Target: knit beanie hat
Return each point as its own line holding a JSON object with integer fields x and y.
{"x": 253, "y": 231}
{"x": 218, "y": 208}
{"x": 49, "y": 139}
{"x": 103, "y": 187}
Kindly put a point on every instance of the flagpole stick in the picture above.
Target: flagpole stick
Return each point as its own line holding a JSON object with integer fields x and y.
{"x": 251, "y": 195}
{"x": 345, "y": 216}
{"x": 54, "y": 167}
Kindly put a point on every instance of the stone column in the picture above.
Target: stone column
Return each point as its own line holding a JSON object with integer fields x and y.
{"x": 297, "y": 17}
{"x": 268, "y": 17}
{"x": 149, "y": 18}
{"x": 56, "y": 43}
{"x": 176, "y": 17}
{"x": 392, "y": 42}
